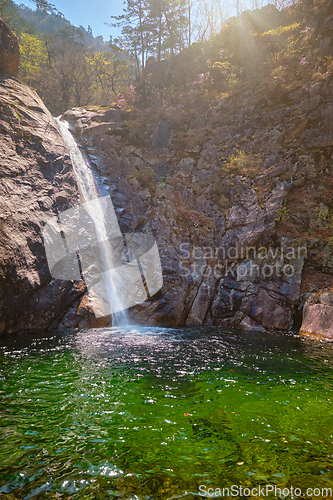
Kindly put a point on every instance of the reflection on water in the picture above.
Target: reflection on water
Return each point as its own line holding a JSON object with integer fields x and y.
{"x": 157, "y": 412}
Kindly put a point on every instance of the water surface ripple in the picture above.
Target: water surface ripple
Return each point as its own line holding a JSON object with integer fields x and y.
{"x": 153, "y": 413}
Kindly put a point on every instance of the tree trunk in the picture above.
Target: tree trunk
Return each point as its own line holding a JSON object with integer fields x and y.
{"x": 142, "y": 53}
{"x": 189, "y": 23}
{"x": 159, "y": 48}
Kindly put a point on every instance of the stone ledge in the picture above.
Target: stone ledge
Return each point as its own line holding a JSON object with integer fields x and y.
{"x": 317, "y": 320}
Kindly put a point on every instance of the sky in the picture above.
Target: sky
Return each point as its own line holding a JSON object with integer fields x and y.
{"x": 87, "y": 12}
{"x": 96, "y": 13}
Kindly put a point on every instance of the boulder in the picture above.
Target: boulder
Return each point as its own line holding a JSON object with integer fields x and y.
{"x": 9, "y": 51}
{"x": 317, "y": 320}
{"x": 318, "y": 315}
{"x": 326, "y": 298}
{"x": 270, "y": 311}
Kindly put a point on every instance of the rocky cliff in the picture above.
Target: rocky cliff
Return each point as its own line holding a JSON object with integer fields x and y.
{"x": 223, "y": 261}
{"x": 238, "y": 196}
{"x": 36, "y": 181}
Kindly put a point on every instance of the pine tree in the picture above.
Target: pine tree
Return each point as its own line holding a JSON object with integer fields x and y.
{"x": 134, "y": 26}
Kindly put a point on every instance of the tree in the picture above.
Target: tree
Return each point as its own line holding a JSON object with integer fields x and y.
{"x": 9, "y": 14}
{"x": 157, "y": 24}
{"x": 66, "y": 73}
{"x": 211, "y": 16}
{"x": 134, "y": 26}
{"x": 66, "y": 58}
{"x": 43, "y": 5}
{"x": 176, "y": 25}
{"x": 33, "y": 55}
{"x": 154, "y": 27}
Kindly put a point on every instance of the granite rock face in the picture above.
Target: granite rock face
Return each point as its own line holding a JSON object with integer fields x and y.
{"x": 9, "y": 51}
{"x": 230, "y": 254}
{"x": 237, "y": 194}
{"x": 318, "y": 315}
{"x": 36, "y": 182}
{"x": 223, "y": 264}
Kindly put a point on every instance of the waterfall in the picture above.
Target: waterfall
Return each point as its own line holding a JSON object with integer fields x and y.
{"x": 96, "y": 210}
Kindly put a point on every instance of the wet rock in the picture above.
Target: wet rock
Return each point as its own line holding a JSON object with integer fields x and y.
{"x": 249, "y": 324}
{"x": 232, "y": 321}
{"x": 199, "y": 309}
{"x": 270, "y": 312}
{"x": 168, "y": 310}
{"x": 226, "y": 303}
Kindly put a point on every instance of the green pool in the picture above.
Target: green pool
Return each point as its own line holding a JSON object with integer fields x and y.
{"x": 155, "y": 413}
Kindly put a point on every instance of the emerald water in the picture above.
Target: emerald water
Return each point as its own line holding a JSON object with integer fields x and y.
{"x": 154, "y": 413}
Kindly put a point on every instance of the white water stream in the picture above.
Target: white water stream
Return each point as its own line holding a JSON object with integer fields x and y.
{"x": 96, "y": 210}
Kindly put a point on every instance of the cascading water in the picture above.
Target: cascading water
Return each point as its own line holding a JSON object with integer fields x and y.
{"x": 88, "y": 190}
